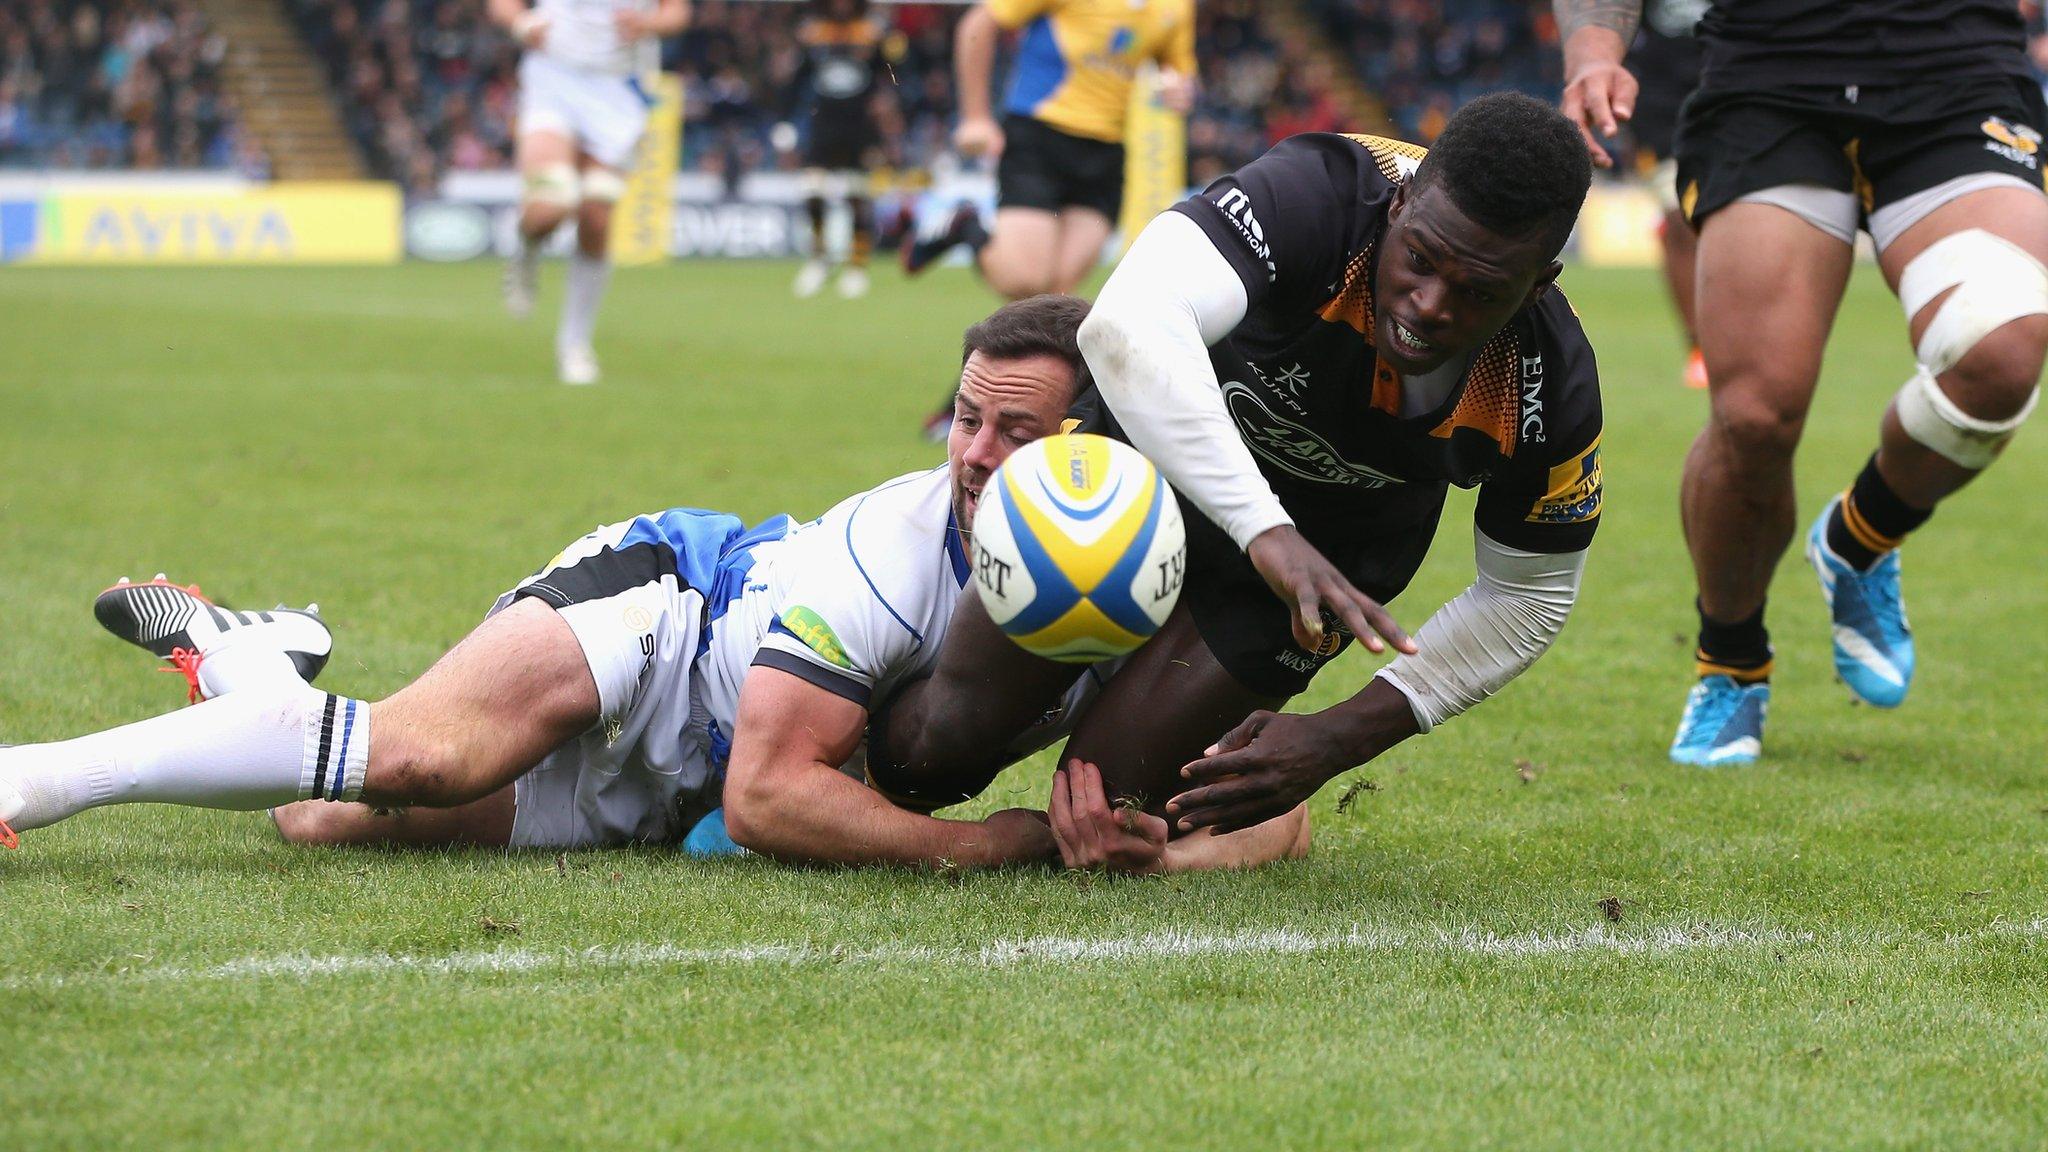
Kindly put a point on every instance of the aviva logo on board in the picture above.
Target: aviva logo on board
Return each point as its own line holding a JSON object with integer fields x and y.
{"x": 339, "y": 223}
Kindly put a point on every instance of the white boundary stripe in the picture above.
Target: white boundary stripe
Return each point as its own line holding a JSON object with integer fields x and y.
{"x": 999, "y": 954}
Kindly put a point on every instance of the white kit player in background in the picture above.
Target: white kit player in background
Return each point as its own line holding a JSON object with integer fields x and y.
{"x": 584, "y": 95}
{"x": 653, "y": 668}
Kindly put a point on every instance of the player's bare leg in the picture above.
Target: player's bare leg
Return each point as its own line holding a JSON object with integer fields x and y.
{"x": 1020, "y": 258}
{"x": 1997, "y": 377}
{"x": 485, "y": 823}
{"x": 548, "y": 194}
{"x": 590, "y": 270}
{"x": 1083, "y": 232}
{"x": 1769, "y": 284}
{"x": 853, "y": 277}
{"x": 514, "y": 690}
{"x": 1975, "y": 384}
{"x": 1681, "y": 247}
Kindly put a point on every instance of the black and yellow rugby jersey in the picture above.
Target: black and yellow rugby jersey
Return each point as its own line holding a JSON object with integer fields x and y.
{"x": 1839, "y": 43}
{"x": 1322, "y": 414}
{"x": 843, "y": 61}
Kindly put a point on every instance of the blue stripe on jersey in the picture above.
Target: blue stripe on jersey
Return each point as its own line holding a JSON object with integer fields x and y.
{"x": 863, "y": 569}
{"x": 955, "y": 551}
{"x": 734, "y": 567}
{"x": 697, "y": 537}
{"x": 1040, "y": 68}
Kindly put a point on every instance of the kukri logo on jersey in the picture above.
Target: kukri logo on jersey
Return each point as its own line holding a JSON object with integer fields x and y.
{"x": 1292, "y": 448}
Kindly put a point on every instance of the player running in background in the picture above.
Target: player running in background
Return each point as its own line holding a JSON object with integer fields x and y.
{"x": 842, "y": 46}
{"x": 1920, "y": 124}
{"x": 582, "y": 108}
{"x": 1667, "y": 58}
{"x": 1313, "y": 350}
{"x": 1059, "y": 149}
{"x": 612, "y": 697}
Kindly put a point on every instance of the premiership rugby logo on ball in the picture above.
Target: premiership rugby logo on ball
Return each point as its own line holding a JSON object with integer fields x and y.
{"x": 1079, "y": 549}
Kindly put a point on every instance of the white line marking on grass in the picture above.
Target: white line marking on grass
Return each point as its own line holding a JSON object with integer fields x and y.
{"x": 1054, "y": 950}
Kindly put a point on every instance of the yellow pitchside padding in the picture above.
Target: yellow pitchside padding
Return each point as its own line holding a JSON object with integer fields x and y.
{"x": 1155, "y": 156}
{"x": 343, "y": 222}
{"x": 645, "y": 216}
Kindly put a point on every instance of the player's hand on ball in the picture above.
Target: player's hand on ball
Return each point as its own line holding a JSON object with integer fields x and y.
{"x": 979, "y": 137}
{"x": 1094, "y": 834}
{"x": 1310, "y": 585}
{"x": 1259, "y": 770}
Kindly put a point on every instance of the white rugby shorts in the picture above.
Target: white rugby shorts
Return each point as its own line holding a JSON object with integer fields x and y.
{"x": 646, "y": 773}
{"x": 603, "y": 113}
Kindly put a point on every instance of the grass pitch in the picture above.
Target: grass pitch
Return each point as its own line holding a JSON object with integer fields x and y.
{"x": 1527, "y": 929}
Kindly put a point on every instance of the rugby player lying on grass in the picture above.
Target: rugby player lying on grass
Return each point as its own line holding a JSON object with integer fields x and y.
{"x": 1313, "y": 350}
{"x": 606, "y": 699}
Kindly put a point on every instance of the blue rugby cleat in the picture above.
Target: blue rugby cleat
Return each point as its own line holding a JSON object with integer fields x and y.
{"x": 1723, "y": 723}
{"x": 709, "y": 840}
{"x": 1873, "y": 642}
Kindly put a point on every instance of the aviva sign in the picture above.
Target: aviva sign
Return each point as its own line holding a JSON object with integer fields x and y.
{"x": 313, "y": 223}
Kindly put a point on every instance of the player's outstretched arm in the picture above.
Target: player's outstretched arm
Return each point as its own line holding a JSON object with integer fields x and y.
{"x": 785, "y": 797}
{"x": 974, "y": 66}
{"x": 1147, "y": 341}
{"x": 1470, "y": 649}
{"x": 1598, "y": 92}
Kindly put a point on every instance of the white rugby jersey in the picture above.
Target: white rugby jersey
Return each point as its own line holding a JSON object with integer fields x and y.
{"x": 856, "y": 601}
{"x": 582, "y": 34}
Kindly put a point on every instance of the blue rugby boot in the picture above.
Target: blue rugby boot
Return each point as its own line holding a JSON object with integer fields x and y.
{"x": 1873, "y": 642}
{"x": 1723, "y": 723}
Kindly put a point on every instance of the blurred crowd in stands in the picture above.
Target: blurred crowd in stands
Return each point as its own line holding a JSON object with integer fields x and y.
{"x": 115, "y": 84}
{"x": 1421, "y": 59}
{"x": 428, "y": 86}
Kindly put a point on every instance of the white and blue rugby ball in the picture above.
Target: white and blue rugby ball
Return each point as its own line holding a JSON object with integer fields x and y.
{"x": 1079, "y": 549}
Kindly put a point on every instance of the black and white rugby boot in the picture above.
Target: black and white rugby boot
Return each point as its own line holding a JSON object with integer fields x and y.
{"x": 179, "y": 624}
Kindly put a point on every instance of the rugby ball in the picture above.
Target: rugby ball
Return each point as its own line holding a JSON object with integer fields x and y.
{"x": 1079, "y": 549}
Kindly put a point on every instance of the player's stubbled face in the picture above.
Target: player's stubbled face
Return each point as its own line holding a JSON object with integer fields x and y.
{"x": 1002, "y": 405}
{"x": 1444, "y": 284}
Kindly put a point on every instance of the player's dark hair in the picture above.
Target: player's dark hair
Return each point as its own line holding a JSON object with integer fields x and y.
{"x": 1048, "y": 325}
{"x": 1514, "y": 165}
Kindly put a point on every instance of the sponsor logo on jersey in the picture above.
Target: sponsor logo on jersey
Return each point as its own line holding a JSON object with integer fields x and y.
{"x": 1237, "y": 208}
{"x": 1292, "y": 448}
{"x": 817, "y": 635}
{"x": 2016, "y": 142}
{"x": 1532, "y": 399}
{"x": 1574, "y": 493}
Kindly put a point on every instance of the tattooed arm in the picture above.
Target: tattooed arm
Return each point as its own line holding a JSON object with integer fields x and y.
{"x": 1598, "y": 91}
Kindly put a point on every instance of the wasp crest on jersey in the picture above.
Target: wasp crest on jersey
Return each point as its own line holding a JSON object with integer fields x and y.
{"x": 1079, "y": 548}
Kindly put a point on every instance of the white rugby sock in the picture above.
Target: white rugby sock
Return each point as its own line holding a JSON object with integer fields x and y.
{"x": 254, "y": 749}
{"x": 233, "y": 666}
{"x": 587, "y": 279}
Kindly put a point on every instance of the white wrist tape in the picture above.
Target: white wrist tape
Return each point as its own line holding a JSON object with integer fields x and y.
{"x": 1493, "y": 631}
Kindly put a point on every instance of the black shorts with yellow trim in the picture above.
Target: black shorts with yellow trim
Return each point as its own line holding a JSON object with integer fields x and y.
{"x": 1045, "y": 168}
{"x": 1881, "y": 144}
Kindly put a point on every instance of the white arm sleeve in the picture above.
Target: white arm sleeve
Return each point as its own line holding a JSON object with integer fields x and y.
{"x": 1494, "y": 630}
{"x": 1147, "y": 342}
